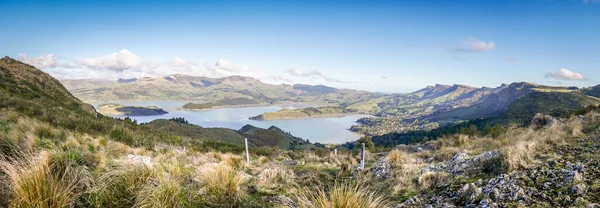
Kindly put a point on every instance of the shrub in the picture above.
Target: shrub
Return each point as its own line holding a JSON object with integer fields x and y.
{"x": 121, "y": 134}
{"x": 341, "y": 196}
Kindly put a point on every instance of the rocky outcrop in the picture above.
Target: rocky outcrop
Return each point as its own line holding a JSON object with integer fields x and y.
{"x": 461, "y": 163}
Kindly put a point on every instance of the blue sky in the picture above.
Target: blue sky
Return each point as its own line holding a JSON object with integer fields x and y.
{"x": 384, "y": 46}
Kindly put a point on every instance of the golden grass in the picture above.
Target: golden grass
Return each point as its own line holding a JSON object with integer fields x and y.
{"x": 221, "y": 184}
{"x": 120, "y": 187}
{"x": 275, "y": 179}
{"x": 168, "y": 193}
{"x": 33, "y": 183}
{"x": 341, "y": 196}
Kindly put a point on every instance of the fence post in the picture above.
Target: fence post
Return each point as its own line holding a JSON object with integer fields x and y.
{"x": 362, "y": 157}
{"x": 334, "y": 152}
{"x": 247, "y": 154}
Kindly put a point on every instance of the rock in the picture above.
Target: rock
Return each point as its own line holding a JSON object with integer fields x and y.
{"x": 567, "y": 200}
{"x": 461, "y": 156}
{"x": 281, "y": 200}
{"x": 140, "y": 159}
{"x": 574, "y": 177}
{"x": 579, "y": 189}
{"x": 382, "y": 168}
{"x": 469, "y": 194}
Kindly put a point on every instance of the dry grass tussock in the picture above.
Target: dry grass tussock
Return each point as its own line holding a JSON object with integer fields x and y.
{"x": 34, "y": 183}
{"x": 341, "y": 195}
{"x": 275, "y": 178}
{"x": 120, "y": 186}
{"x": 221, "y": 184}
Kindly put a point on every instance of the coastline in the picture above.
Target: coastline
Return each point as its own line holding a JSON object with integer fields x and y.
{"x": 337, "y": 115}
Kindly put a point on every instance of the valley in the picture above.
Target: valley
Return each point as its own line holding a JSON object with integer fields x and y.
{"x": 423, "y": 110}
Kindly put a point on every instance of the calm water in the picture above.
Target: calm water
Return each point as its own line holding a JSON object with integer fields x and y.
{"x": 322, "y": 130}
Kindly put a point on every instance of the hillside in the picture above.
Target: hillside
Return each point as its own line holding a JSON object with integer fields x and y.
{"x": 120, "y": 110}
{"x": 257, "y": 137}
{"x": 302, "y": 113}
{"x": 592, "y": 91}
{"x": 235, "y": 102}
{"x": 202, "y": 89}
{"x": 519, "y": 112}
{"x": 24, "y": 87}
{"x": 274, "y": 137}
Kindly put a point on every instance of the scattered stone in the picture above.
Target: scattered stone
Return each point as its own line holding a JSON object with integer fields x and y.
{"x": 579, "y": 189}
{"x": 281, "y": 200}
{"x": 140, "y": 159}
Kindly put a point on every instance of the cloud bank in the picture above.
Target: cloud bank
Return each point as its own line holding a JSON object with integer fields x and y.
{"x": 126, "y": 64}
{"x": 314, "y": 74}
{"x": 565, "y": 74}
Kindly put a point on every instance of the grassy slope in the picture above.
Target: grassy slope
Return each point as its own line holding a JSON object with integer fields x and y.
{"x": 301, "y": 113}
{"x": 519, "y": 112}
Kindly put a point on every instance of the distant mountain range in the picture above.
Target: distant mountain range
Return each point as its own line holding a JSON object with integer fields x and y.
{"x": 202, "y": 89}
{"x": 428, "y": 108}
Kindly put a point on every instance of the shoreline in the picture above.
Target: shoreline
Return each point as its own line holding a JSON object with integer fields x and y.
{"x": 316, "y": 116}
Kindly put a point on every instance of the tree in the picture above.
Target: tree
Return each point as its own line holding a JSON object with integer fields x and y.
{"x": 369, "y": 145}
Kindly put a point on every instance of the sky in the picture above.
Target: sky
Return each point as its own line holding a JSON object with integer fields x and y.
{"x": 385, "y": 46}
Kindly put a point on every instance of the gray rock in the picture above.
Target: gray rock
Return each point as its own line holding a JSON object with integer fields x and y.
{"x": 281, "y": 200}
{"x": 579, "y": 189}
{"x": 574, "y": 177}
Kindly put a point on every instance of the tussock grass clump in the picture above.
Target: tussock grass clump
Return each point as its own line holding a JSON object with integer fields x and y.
{"x": 120, "y": 187}
{"x": 221, "y": 185}
{"x": 33, "y": 183}
{"x": 342, "y": 195}
{"x": 432, "y": 180}
{"x": 395, "y": 156}
{"x": 169, "y": 193}
{"x": 520, "y": 155}
{"x": 275, "y": 178}
{"x": 233, "y": 161}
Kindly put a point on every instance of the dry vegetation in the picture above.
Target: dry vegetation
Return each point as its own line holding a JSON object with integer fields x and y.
{"x": 46, "y": 166}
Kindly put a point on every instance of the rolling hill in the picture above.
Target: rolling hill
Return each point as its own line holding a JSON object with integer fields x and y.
{"x": 257, "y": 137}
{"x": 519, "y": 112}
{"x": 202, "y": 89}
{"x": 27, "y": 91}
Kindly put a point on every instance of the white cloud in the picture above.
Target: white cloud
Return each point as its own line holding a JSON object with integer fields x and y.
{"x": 47, "y": 61}
{"x": 280, "y": 78}
{"x": 313, "y": 74}
{"x": 225, "y": 65}
{"x": 475, "y": 44}
{"x": 565, "y": 74}
{"x": 152, "y": 64}
{"x": 119, "y": 61}
{"x": 42, "y": 62}
{"x": 223, "y": 68}
{"x": 126, "y": 64}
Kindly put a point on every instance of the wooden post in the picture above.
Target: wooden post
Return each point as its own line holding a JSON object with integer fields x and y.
{"x": 334, "y": 152}
{"x": 362, "y": 157}
{"x": 247, "y": 154}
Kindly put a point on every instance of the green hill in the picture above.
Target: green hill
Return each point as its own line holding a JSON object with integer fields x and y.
{"x": 34, "y": 92}
{"x": 27, "y": 91}
{"x": 592, "y": 91}
{"x": 520, "y": 112}
{"x": 257, "y": 137}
